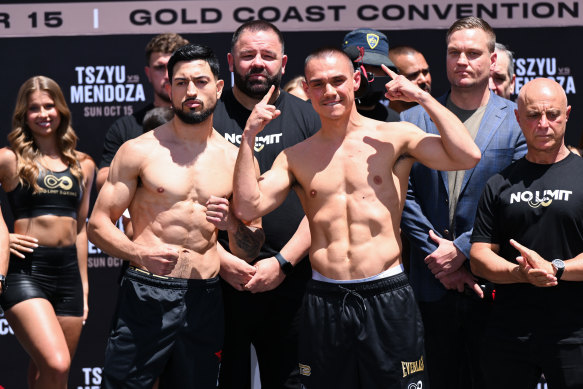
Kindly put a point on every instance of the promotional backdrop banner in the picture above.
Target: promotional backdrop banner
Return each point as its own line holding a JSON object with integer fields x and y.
{"x": 95, "y": 51}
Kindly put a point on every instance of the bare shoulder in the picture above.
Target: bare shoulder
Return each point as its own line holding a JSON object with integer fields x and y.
{"x": 8, "y": 163}
{"x": 137, "y": 148}
{"x": 228, "y": 150}
{"x": 7, "y": 156}
{"x": 85, "y": 159}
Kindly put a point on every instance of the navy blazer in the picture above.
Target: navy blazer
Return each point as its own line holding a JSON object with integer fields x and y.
{"x": 501, "y": 142}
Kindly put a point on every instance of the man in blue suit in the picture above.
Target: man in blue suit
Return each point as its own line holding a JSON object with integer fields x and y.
{"x": 441, "y": 206}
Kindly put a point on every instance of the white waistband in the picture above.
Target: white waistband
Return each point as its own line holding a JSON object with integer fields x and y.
{"x": 387, "y": 273}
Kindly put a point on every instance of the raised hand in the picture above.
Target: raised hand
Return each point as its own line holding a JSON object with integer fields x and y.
{"x": 262, "y": 113}
{"x": 400, "y": 88}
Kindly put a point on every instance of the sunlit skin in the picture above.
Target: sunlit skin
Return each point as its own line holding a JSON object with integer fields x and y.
{"x": 175, "y": 180}
{"x": 500, "y": 81}
{"x": 256, "y": 55}
{"x": 158, "y": 76}
{"x": 468, "y": 64}
{"x": 415, "y": 68}
{"x": 42, "y": 116}
{"x": 191, "y": 87}
{"x": 351, "y": 176}
{"x": 542, "y": 115}
{"x": 52, "y": 342}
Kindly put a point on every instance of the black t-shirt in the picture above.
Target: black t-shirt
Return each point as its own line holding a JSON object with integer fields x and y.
{"x": 123, "y": 129}
{"x": 297, "y": 122}
{"x": 541, "y": 207}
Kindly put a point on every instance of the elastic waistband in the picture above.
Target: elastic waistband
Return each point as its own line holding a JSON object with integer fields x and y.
{"x": 385, "y": 274}
{"x": 144, "y": 276}
{"x": 395, "y": 282}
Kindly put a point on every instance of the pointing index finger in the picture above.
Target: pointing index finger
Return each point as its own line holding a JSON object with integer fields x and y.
{"x": 389, "y": 71}
{"x": 268, "y": 95}
{"x": 517, "y": 246}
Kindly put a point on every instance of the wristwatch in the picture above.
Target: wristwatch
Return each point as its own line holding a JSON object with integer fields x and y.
{"x": 559, "y": 266}
{"x": 2, "y": 283}
{"x": 286, "y": 266}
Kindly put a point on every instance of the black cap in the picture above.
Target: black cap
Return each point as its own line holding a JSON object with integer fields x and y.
{"x": 375, "y": 44}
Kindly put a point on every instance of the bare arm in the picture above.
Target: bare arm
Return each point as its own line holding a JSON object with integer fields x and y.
{"x": 269, "y": 274}
{"x": 101, "y": 177}
{"x": 253, "y": 198}
{"x": 245, "y": 241}
{"x": 4, "y": 246}
{"x": 115, "y": 196}
{"x": 88, "y": 167}
{"x": 455, "y": 149}
{"x": 486, "y": 263}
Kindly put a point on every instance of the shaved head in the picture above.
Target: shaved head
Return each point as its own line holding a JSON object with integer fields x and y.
{"x": 542, "y": 115}
{"x": 541, "y": 87}
{"x": 327, "y": 52}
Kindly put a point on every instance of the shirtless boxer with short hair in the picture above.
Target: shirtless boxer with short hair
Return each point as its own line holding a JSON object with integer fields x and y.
{"x": 175, "y": 180}
{"x": 362, "y": 328}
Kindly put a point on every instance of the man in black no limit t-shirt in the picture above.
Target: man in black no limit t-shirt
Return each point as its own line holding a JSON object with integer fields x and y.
{"x": 528, "y": 240}
{"x": 270, "y": 319}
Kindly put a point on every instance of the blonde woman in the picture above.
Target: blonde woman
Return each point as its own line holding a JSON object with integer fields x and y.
{"x": 47, "y": 184}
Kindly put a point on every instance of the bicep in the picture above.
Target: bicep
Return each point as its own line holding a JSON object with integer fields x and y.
{"x": 118, "y": 190}
{"x": 428, "y": 149}
{"x": 275, "y": 183}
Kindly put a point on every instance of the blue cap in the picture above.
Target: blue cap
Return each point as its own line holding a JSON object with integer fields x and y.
{"x": 375, "y": 44}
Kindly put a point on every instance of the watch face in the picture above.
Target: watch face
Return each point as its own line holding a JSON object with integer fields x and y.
{"x": 558, "y": 264}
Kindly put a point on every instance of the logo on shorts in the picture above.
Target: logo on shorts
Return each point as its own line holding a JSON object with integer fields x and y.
{"x": 412, "y": 367}
{"x": 418, "y": 385}
{"x": 305, "y": 369}
{"x": 372, "y": 40}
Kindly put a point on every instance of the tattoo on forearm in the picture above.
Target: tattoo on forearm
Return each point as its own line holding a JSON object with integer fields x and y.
{"x": 249, "y": 240}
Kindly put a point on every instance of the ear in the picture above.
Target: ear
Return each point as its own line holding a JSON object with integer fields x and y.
{"x": 357, "y": 79}
{"x": 220, "y": 86}
{"x": 567, "y": 113}
{"x": 230, "y": 60}
{"x": 283, "y": 63}
{"x": 517, "y": 116}
{"x": 493, "y": 58}
{"x": 512, "y": 84}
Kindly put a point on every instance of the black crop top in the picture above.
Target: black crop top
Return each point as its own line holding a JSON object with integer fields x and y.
{"x": 60, "y": 195}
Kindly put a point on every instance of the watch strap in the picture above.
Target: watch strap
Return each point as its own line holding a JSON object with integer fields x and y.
{"x": 285, "y": 265}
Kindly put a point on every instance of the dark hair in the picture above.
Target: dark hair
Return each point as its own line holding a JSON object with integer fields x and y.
{"x": 472, "y": 22}
{"x": 254, "y": 26}
{"x": 156, "y": 117}
{"x": 193, "y": 52}
{"x": 164, "y": 43}
{"x": 324, "y": 52}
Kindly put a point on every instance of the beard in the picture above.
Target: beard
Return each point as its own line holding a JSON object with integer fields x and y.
{"x": 193, "y": 117}
{"x": 256, "y": 88}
